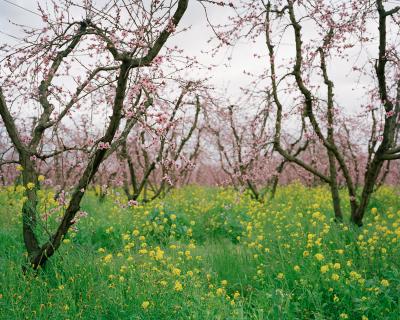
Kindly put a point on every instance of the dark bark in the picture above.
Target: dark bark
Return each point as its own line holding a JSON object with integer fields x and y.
{"x": 39, "y": 254}
{"x": 389, "y": 131}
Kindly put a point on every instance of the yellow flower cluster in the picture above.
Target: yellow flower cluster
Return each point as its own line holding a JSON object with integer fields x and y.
{"x": 222, "y": 249}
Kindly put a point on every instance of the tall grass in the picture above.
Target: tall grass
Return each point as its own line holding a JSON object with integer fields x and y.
{"x": 206, "y": 253}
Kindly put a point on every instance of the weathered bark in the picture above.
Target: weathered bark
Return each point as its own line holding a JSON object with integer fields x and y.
{"x": 330, "y": 134}
{"x": 39, "y": 254}
{"x": 48, "y": 249}
{"x": 385, "y": 151}
{"x": 308, "y": 103}
{"x": 389, "y": 131}
{"x": 279, "y": 107}
{"x": 275, "y": 180}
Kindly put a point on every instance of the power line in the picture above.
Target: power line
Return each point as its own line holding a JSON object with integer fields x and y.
{"x": 9, "y": 35}
{"x": 21, "y": 7}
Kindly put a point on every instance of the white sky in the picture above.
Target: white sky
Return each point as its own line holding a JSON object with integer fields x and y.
{"x": 195, "y": 40}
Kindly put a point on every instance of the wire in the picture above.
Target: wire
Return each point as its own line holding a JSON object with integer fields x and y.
{"x": 9, "y": 35}
{"x": 21, "y": 7}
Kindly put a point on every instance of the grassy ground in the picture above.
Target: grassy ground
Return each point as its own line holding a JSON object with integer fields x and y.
{"x": 208, "y": 254}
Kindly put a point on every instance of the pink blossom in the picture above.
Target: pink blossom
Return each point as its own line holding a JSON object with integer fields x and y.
{"x": 390, "y": 113}
{"x": 104, "y": 145}
{"x": 132, "y": 203}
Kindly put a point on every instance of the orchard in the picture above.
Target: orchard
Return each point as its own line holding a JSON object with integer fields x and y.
{"x": 199, "y": 159}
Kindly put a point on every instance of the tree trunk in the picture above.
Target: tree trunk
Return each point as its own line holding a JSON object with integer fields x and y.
{"x": 334, "y": 187}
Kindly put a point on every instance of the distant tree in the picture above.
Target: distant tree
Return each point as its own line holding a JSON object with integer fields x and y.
{"x": 158, "y": 154}
{"x": 242, "y": 143}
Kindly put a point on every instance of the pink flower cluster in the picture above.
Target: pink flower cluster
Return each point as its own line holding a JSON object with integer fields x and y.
{"x": 104, "y": 145}
{"x": 390, "y": 114}
{"x": 171, "y": 26}
{"x": 132, "y": 203}
{"x": 79, "y": 215}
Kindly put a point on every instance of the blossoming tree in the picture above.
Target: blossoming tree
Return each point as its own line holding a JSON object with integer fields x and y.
{"x": 73, "y": 66}
{"x": 303, "y": 87}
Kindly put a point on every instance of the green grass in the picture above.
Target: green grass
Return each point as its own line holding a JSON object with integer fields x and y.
{"x": 204, "y": 253}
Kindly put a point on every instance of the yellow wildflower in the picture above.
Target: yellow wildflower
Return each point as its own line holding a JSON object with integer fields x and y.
{"x": 108, "y": 258}
{"x": 385, "y": 283}
{"x": 324, "y": 269}
{"x": 159, "y": 254}
{"x": 319, "y": 256}
{"x": 176, "y": 271}
{"x": 163, "y": 283}
{"x": 30, "y": 185}
{"x": 178, "y": 286}
{"x": 220, "y": 291}
{"x": 335, "y": 277}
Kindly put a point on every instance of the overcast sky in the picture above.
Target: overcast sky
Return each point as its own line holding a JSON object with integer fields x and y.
{"x": 195, "y": 40}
